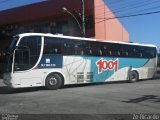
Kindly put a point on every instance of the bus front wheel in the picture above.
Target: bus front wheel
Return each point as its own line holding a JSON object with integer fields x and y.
{"x": 53, "y": 81}
{"x": 133, "y": 76}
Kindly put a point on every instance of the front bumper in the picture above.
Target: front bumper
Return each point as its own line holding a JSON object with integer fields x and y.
{"x": 8, "y": 83}
{"x": 7, "y": 80}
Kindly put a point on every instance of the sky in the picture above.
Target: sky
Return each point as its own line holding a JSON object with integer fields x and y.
{"x": 141, "y": 29}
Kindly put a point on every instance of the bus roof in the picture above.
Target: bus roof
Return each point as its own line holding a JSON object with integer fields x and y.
{"x": 81, "y": 38}
{"x": 138, "y": 44}
{"x": 54, "y": 35}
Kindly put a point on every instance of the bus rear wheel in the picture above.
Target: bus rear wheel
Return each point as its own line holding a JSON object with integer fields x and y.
{"x": 133, "y": 76}
{"x": 53, "y": 81}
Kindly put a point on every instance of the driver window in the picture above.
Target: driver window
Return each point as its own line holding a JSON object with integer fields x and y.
{"x": 21, "y": 59}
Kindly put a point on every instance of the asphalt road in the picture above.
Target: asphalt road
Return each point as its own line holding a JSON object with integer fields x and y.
{"x": 110, "y": 98}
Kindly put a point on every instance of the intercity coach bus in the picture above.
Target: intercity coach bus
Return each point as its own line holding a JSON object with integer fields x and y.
{"x": 36, "y": 59}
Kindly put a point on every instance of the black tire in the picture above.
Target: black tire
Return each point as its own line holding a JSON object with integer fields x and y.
{"x": 133, "y": 76}
{"x": 54, "y": 81}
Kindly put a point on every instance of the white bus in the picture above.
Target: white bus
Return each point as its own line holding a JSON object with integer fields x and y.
{"x": 35, "y": 59}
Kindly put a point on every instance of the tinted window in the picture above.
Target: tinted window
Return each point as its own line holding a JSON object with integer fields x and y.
{"x": 93, "y": 48}
{"x": 33, "y": 43}
{"x": 96, "y": 48}
{"x": 22, "y": 57}
{"x": 150, "y": 52}
{"x": 52, "y": 46}
{"x": 73, "y": 47}
{"x": 21, "y": 60}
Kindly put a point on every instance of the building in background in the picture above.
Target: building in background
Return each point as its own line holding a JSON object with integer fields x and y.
{"x": 47, "y": 17}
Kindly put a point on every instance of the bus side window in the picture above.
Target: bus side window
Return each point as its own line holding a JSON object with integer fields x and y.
{"x": 127, "y": 54}
{"x": 103, "y": 50}
{"x": 100, "y": 52}
{"x": 149, "y": 53}
{"x": 119, "y": 54}
{"x": 97, "y": 52}
{"x": 88, "y": 52}
{"x": 78, "y": 47}
{"x": 93, "y": 48}
{"x": 110, "y": 53}
{"x": 82, "y": 52}
{"x": 67, "y": 48}
{"x": 52, "y": 46}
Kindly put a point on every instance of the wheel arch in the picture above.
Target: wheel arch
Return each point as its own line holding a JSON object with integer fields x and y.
{"x": 54, "y": 72}
{"x": 137, "y": 73}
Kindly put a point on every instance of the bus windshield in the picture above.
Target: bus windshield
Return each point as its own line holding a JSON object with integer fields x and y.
{"x": 7, "y": 67}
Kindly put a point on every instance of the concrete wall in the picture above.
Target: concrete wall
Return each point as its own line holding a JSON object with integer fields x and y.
{"x": 108, "y": 29}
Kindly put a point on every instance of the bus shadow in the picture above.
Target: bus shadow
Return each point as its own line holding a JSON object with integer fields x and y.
{"x": 8, "y": 90}
{"x": 92, "y": 84}
{"x": 107, "y": 83}
{"x": 153, "y": 98}
{"x": 155, "y": 78}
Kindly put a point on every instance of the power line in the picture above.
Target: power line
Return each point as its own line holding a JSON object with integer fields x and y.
{"x": 139, "y": 5}
{"x": 142, "y": 14}
{"x": 133, "y": 6}
{"x": 147, "y": 9}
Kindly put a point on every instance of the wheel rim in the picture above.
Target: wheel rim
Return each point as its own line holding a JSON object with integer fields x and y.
{"x": 133, "y": 77}
{"x": 53, "y": 81}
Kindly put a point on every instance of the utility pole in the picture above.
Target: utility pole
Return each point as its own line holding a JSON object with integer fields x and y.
{"x": 81, "y": 24}
{"x": 83, "y": 19}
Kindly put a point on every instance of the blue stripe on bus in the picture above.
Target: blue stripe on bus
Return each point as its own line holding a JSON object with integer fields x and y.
{"x": 122, "y": 63}
{"x": 51, "y": 61}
